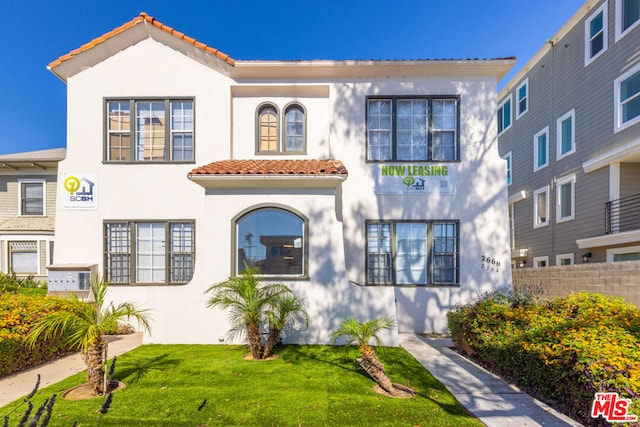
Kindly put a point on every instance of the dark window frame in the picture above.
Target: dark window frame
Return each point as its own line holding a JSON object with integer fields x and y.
{"x": 168, "y": 131}
{"x": 430, "y": 253}
{"x": 125, "y": 250}
{"x": 394, "y": 128}
{"x": 25, "y": 202}
{"x": 281, "y": 129}
{"x": 305, "y": 240}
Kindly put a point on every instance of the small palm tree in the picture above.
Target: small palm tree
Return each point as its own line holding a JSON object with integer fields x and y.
{"x": 360, "y": 334}
{"x": 288, "y": 308}
{"x": 85, "y": 326}
{"x": 251, "y": 304}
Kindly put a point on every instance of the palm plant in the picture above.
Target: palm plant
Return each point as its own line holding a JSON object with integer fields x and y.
{"x": 85, "y": 326}
{"x": 250, "y": 304}
{"x": 288, "y": 308}
{"x": 360, "y": 334}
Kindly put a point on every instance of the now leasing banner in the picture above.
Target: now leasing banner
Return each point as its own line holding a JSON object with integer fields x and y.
{"x": 415, "y": 178}
{"x": 79, "y": 192}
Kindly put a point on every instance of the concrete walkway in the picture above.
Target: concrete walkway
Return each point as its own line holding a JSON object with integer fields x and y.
{"x": 487, "y": 396}
{"x": 492, "y": 400}
{"x": 21, "y": 384}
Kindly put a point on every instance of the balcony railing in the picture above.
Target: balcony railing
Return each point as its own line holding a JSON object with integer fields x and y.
{"x": 622, "y": 214}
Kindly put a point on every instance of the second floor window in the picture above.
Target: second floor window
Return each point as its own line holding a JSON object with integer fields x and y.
{"x": 293, "y": 133}
{"x": 32, "y": 198}
{"x": 412, "y": 129}
{"x": 504, "y": 115}
{"x": 158, "y": 130}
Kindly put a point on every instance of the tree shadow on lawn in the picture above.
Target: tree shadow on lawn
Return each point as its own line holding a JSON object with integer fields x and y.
{"x": 402, "y": 368}
{"x": 134, "y": 370}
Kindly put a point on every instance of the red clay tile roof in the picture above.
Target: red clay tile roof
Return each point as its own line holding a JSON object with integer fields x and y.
{"x": 143, "y": 17}
{"x": 272, "y": 167}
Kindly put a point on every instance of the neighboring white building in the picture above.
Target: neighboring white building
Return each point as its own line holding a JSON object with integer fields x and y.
{"x": 369, "y": 187}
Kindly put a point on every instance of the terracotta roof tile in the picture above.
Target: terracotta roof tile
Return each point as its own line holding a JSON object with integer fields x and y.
{"x": 143, "y": 17}
{"x": 272, "y": 167}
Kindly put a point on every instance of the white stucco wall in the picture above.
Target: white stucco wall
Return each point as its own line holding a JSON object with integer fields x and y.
{"x": 336, "y": 128}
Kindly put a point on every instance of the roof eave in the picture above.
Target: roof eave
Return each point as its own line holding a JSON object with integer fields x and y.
{"x": 496, "y": 68}
{"x": 267, "y": 181}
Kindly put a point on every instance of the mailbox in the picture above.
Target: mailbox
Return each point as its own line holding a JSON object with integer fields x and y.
{"x": 70, "y": 278}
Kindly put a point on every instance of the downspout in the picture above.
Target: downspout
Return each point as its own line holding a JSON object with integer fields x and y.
{"x": 552, "y": 223}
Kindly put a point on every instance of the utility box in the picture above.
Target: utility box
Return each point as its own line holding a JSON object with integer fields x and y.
{"x": 67, "y": 278}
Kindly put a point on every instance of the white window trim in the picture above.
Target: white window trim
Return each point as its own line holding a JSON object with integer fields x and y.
{"x": 537, "y": 259}
{"x": 537, "y": 167}
{"x": 559, "y": 183}
{"x": 560, "y": 257}
{"x": 525, "y": 83}
{"x": 509, "y": 162}
{"x": 623, "y": 250}
{"x": 44, "y": 195}
{"x": 619, "y": 33}
{"x": 25, "y": 238}
{"x": 504, "y": 101}
{"x": 535, "y": 206}
{"x": 572, "y": 114}
{"x": 587, "y": 34}
{"x": 617, "y": 107}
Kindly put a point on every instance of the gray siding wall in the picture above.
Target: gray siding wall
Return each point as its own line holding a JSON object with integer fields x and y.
{"x": 558, "y": 83}
{"x": 629, "y": 179}
{"x": 9, "y": 199}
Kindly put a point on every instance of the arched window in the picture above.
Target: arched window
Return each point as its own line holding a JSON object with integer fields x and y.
{"x": 267, "y": 128}
{"x": 294, "y": 132}
{"x": 272, "y": 240}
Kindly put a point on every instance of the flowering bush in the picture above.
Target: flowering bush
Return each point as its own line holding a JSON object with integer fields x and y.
{"x": 17, "y": 313}
{"x": 565, "y": 350}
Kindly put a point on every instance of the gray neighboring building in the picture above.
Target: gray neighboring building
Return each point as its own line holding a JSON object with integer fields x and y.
{"x": 27, "y": 211}
{"x": 569, "y": 128}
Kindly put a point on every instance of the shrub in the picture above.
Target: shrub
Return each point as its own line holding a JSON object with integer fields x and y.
{"x": 565, "y": 350}
{"x": 17, "y": 313}
{"x": 12, "y": 283}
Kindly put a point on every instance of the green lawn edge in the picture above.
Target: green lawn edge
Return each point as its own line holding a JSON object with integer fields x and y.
{"x": 307, "y": 385}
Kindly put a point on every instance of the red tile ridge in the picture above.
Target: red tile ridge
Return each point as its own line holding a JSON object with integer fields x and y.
{"x": 143, "y": 17}
{"x": 272, "y": 167}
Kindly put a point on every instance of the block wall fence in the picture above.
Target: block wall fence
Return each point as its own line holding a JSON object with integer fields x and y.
{"x": 620, "y": 279}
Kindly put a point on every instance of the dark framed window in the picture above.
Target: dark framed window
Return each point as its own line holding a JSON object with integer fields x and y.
{"x": 272, "y": 241}
{"x": 292, "y": 139}
{"x": 268, "y": 129}
{"x": 32, "y": 198}
{"x": 152, "y": 130}
{"x": 413, "y": 129}
{"x": 149, "y": 252}
{"x": 416, "y": 253}
{"x": 294, "y": 129}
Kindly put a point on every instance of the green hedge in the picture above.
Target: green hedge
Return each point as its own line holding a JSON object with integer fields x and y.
{"x": 17, "y": 313}
{"x": 566, "y": 349}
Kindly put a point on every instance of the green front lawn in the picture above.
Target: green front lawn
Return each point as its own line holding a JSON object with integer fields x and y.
{"x": 305, "y": 386}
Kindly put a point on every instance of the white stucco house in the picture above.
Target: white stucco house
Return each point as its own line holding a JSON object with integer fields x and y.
{"x": 368, "y": 187}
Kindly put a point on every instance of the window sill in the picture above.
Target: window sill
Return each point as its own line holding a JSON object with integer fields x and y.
{"x": 412, "y": 161}
{"x": 430, "y": 286}
{"x": 136, "y": 162}
{"x": 147, "y": 284}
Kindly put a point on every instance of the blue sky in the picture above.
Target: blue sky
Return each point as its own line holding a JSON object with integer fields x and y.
{"x": 36, "y": 32}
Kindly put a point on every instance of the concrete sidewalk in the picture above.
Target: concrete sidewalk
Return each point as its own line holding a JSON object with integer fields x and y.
{"x": 21, "y": 384}
{"x": 487, "y": 396}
